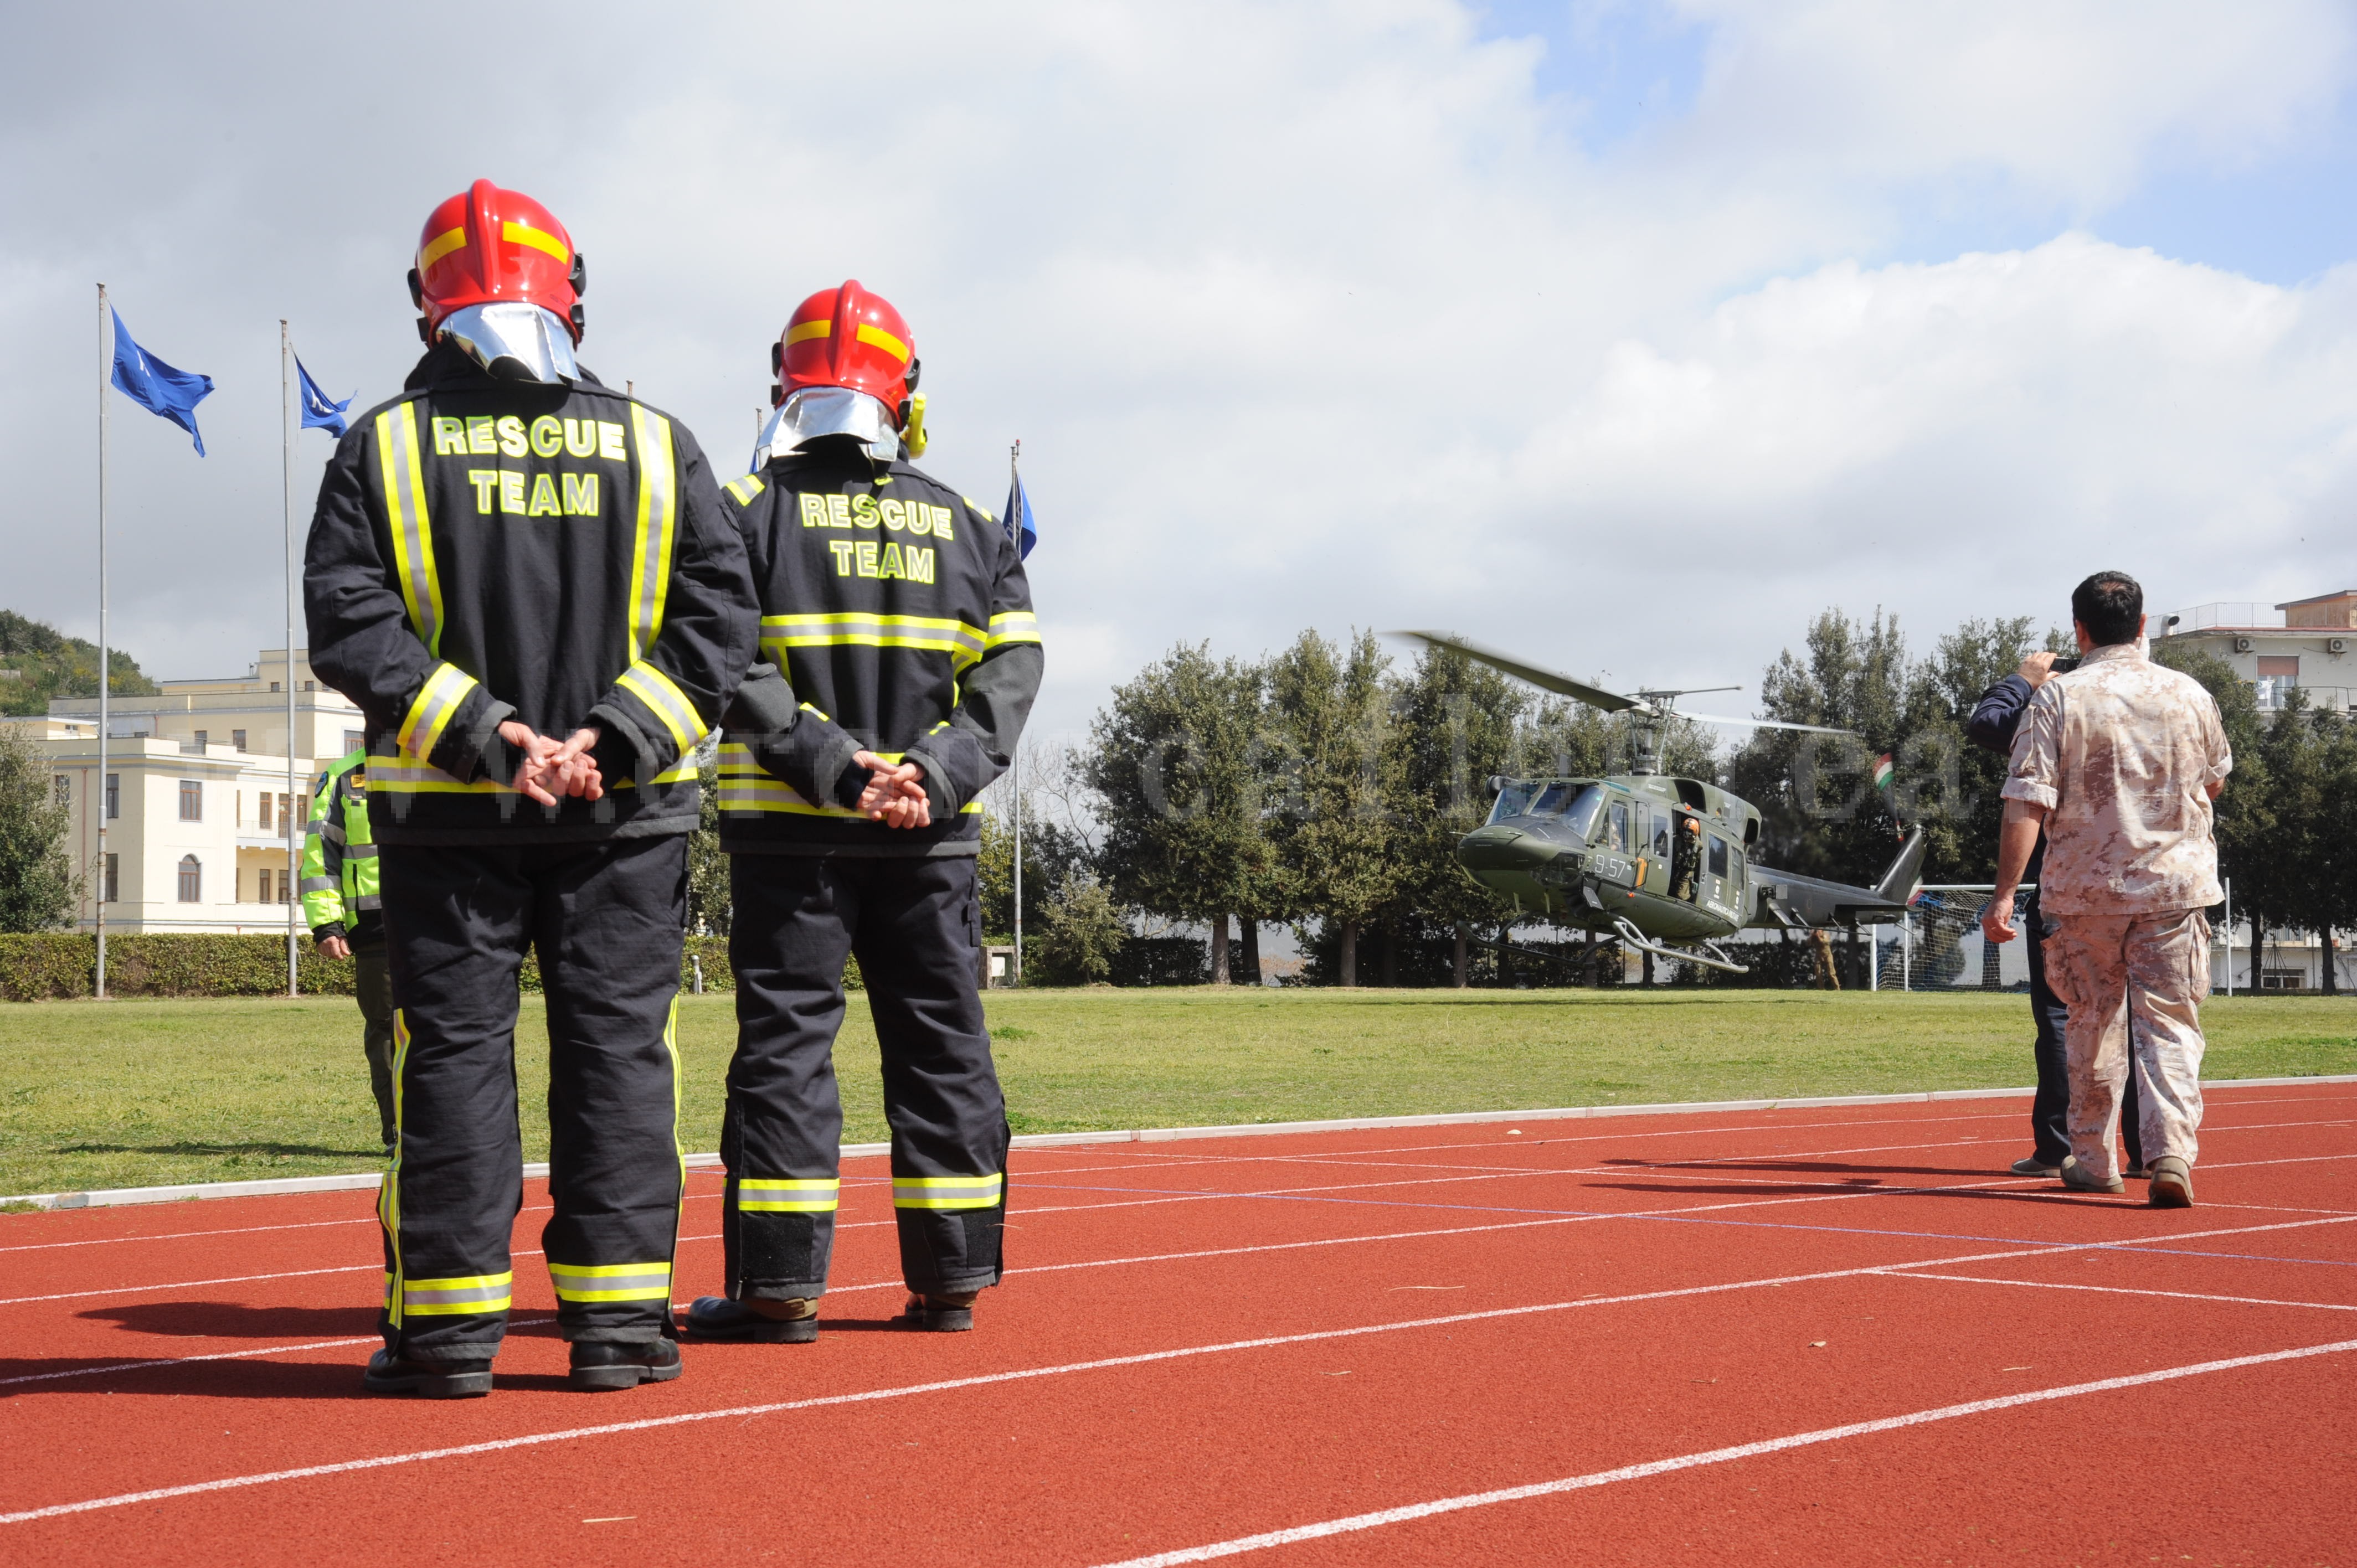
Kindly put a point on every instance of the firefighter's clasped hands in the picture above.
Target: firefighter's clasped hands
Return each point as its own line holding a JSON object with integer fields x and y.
{"x": 895, "y": 795}
{"x": 551, "y": 768}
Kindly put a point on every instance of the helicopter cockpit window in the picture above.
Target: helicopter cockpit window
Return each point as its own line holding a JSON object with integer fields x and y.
{"x": 1661, "y": 833}
{"x": 1513, "y": 801}
{"x": 1579, "y": 816}
{"x": 1717, "y": 855}
{"x": 1619, "y": 819}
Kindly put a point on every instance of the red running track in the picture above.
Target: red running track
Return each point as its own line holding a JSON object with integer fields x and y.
{"x": 1809, "y": 1336}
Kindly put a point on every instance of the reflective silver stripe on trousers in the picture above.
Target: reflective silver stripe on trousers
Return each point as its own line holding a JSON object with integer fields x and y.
{"x": 416, "y": 1295}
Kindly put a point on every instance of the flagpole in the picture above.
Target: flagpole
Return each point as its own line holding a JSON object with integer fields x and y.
{"x": 288, "y": 888}
{"x": 105, "y": 364}
{"x": 1014, "y": 482}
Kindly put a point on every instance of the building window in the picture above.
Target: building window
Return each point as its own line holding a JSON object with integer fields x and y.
{"x": 274, "y": 685}
{"x": 113, "y": 796}
{"x": 262, "y": 810}
{"x": 353, "y": 740}
{"x": 237, "y": 739}
{"x": 64, "y": 787}
{"x": 262, "y": 885}
{"x": 204, "y": 738}
{"x": 192, "y": 880}
{"x": 192, "y": 800}
{"x": 286, "y": 812}
{"x": 113, "y": 879}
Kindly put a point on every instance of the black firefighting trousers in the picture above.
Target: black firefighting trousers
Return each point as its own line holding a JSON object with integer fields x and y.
{"x": 605, "y": 919}
{"x": 915, "y": 927}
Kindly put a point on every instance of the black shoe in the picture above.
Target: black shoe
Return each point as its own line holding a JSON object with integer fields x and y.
{"x": 936, "y": 1314}
{"x": 717, "y": 1317}
{"x": 599, "y": 1367}
{"x": 390, "y": 1374}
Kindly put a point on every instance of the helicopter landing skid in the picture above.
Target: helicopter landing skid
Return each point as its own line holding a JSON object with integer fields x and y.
{"x": 1711, "y": 954}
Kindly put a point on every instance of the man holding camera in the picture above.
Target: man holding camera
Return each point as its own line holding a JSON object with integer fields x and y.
{"x": 1995, "y": 720}
{"x": 2118, "y": 761}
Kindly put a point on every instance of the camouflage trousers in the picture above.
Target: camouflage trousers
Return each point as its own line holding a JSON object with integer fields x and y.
{"x": 2134, "y": 984}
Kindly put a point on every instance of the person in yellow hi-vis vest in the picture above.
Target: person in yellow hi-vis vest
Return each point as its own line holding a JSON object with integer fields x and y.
{"x": 341, "y": 903}
{"x": 525, "y": 582}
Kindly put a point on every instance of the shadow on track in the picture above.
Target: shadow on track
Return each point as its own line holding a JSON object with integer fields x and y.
{"x": 233, "y": 1320}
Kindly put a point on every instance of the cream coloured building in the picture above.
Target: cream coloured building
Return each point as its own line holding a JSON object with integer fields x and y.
{"x": 197, "y": 811}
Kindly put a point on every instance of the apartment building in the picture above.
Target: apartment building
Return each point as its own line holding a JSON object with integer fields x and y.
{"x": 2308, "y": 643}
{"x": 203, "y": 833}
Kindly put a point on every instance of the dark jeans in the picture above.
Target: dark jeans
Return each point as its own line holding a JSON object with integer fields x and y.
{"x": 2049, "y": 1112}
{"x": 373, "y": 984}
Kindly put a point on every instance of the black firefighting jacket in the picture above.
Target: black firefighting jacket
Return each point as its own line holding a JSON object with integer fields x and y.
{"x": 898, "y": 620}
{"x": 488, "y": 549}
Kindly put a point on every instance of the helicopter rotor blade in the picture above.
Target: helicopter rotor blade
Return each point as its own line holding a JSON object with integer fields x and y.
{"x": 1765, "y": 724}
{"x": 1545, "y": 679}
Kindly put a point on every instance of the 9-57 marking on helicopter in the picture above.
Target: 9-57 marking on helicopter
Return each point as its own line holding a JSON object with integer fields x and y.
{"x": 1662, "y": 863}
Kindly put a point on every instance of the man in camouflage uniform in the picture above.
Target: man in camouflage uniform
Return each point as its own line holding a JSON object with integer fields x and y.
{"x": 2119, "y": 761}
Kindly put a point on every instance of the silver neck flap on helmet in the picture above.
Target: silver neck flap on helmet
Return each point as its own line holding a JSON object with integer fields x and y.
{"x": 810, "y": 413}
{"x": 515, "y": 342}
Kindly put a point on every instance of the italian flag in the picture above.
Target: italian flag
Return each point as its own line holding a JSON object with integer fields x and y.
{"x": 1882, "y": 771}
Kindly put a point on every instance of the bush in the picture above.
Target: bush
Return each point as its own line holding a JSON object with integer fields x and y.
{"x": 62, "y": 965}
{"x": 1083, "y": 935}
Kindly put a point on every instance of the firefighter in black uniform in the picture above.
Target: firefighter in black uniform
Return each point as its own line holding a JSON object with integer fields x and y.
{"x": 527, "y": 584}
{"x": 900, "y": 614}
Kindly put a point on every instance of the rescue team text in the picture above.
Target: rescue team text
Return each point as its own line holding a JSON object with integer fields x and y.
{"x": 891, "y": 514}
{"x": 861, "y": 558}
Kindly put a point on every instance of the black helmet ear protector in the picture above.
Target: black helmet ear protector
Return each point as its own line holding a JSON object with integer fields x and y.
{"x": 909, "y": 383}
{"x": 579, "y": 279}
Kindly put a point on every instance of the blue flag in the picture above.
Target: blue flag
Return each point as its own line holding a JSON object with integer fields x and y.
{"x": 156, "y": 386}
{"x": 1022, "y": 526}
{"x": 319, "y": 411}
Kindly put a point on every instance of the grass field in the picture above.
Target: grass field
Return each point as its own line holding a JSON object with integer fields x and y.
{"x": 136, "y": 1093}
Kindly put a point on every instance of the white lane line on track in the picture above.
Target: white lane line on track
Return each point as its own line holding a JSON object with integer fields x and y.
{"x": 376, "y": 1263}
{"x": 1355, "y": 1522}
{"x": 1173, "y": 1158}
{"x": 223, "y": 1356}
{"x": 1903, "y": 1273}
{"x": 1836, "y": 1191}
{"x": 1149, "y": 1358}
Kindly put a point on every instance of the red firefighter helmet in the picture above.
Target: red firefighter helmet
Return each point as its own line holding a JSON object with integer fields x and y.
{"x": 489, "y": 246}
{"x": 847, "y": 337}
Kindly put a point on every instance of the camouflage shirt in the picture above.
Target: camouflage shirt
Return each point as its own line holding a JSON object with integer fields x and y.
{"x": 2121, "y": 751}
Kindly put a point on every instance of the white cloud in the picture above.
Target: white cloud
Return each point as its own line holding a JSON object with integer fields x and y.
{"x": 1311, "y": 315}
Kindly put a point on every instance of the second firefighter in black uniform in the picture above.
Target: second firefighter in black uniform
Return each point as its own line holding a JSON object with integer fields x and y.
{"x": 900, "y": 617}
{"x": 526, "y": 583}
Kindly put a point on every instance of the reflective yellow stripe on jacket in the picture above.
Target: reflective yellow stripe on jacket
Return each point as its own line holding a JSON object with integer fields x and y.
{"x": 746, "y": 786}
{"x": 429, "y": 712}
{"x": 658, "y": 515}
{"x": 659, "y": 692}
{"x": 930, "y": 634}
{"x": 412, "y": 530}
{"x": 1013, "y": 626}
{"x": 757, "y": 1195}
{"x": 948, "y": 1192}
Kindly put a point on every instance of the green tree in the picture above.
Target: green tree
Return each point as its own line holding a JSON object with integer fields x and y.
{"x": 710, "y": 907}
{"x": 1334, "y": 822}
{"x": 37, "y": 662}
{"x": 2243, "y": 820}
{"x": 1176, "y": 764}
{"x": 1081, "y": 934}
{"x": 37, "y": 885}
{"x": 1458, "y": 723}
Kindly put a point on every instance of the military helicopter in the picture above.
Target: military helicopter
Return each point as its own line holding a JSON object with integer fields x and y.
{"x": 1660, "y": 861}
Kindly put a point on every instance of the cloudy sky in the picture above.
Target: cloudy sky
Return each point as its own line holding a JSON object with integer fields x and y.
{"x": 1626, "y": 335}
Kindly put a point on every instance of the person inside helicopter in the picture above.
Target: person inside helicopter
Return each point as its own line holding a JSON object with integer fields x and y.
{"x": 1685, "y": 863}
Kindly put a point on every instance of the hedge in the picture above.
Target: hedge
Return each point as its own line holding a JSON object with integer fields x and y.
{"x": 61, "y": 965}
